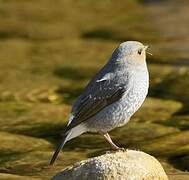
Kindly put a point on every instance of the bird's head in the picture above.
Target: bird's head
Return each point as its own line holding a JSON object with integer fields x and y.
{"x": 130, "y": 52}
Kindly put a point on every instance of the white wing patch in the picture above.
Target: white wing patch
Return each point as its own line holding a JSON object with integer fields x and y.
{"x": 70, "y": 119}
{"x": 105, "y": 77}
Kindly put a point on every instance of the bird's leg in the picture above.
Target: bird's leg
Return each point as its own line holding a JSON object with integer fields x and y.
{"x": 109, "y": 140}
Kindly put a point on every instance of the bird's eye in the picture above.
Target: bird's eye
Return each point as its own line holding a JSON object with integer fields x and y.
{"x": 140, "y": 51}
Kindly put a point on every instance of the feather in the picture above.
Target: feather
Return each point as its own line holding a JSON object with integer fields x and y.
{"x": 76, "y": 131}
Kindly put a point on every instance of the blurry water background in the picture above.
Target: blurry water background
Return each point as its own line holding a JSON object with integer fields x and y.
{"x": 48, "y": 52}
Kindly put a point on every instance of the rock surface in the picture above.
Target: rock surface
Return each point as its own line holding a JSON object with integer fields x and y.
{"x": 129, "y": 165}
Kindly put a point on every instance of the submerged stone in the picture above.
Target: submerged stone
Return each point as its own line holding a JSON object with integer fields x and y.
{"x": 155, "y": 109}
{"x": 175, "y": 144}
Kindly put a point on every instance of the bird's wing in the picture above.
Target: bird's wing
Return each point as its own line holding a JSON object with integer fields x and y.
{"x": 103, "y": 92}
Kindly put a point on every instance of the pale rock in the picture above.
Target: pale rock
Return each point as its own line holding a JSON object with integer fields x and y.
{"x": 128, "y": 165}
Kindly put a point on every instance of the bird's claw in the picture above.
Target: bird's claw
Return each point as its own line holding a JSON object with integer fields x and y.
{"x": 121, "y": 149}
{"x": 116, "y": 150}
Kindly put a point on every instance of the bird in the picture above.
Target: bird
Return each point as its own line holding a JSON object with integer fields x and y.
{"x": 113, "y": 95}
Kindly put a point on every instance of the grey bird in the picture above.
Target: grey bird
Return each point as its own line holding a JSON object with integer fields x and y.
{"x": 112, "y": 96}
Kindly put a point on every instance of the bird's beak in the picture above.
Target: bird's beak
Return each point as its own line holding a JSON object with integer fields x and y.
{"x": 146, "y": 47}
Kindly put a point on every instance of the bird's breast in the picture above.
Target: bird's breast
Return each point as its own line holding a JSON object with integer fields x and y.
{"x": 137, "y": 92}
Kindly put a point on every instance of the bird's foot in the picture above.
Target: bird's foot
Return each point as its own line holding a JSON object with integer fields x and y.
{"x": 121, "y": 149}
{"x": 110, "y": 151}
{"x": 114, "y": 150}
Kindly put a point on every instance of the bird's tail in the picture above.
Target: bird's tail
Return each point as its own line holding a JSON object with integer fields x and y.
{"x": 74, "y": 132}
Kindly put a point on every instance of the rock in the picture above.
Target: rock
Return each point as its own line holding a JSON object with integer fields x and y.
{"x": 129, "y": 165}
